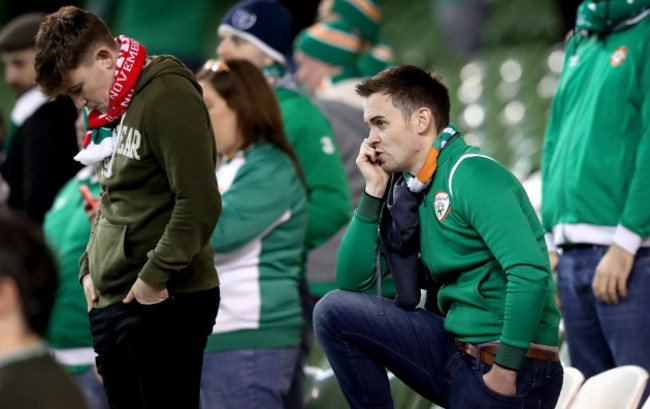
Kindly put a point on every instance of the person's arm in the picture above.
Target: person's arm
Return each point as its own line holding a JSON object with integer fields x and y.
{"x": 489, "y": 198}
{"x": 184, "y": 146}
{"x": 356, "y": 258}
{"x": 553, "y": 128}
{"x": 312, "y": 138}
{"x": 83, "y": 261}
{"x": 613, "y": 270}
{"x": 84, "y": 272}
{"x": 256, "y": 200}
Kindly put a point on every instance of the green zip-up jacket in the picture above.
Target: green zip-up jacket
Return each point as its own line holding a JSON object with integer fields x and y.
{"x": 67, "y": 229}
{"x": 482, "y": 241}
{"x": 258, "y": 247}
{"x": 596, "y": 157}
{"x": 159, "y": 200}
{"x": 311, "y": 137}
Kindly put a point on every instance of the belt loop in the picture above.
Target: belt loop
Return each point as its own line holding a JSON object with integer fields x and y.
{"x": 477, "y": 362}
{"x": 549, "y": 355}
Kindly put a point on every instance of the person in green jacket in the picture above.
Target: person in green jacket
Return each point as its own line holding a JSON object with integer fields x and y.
{"x": 66, "y": 229}
{"x": 148, "y": 265}
{"x": 327, "y": 56}
{"x": 260, "y": 31}
{"x": 253, "y": 351}
{"x": 595, "y": 187}
{"x": 482, "y": 244}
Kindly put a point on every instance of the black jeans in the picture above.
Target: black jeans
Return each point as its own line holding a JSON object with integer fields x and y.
{"x": 150, "y": 356}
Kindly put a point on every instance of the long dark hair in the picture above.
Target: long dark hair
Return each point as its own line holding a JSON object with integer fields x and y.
{"x": 249, "y": 95}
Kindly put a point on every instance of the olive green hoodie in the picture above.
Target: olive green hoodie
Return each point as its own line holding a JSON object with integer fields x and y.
{"x": 159, "y": 200}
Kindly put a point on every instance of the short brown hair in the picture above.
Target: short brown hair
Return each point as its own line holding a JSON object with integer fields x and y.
{"x": 410, "y": 88}
{"x": 247, "y": 92}
{"x": 62, "y": 44}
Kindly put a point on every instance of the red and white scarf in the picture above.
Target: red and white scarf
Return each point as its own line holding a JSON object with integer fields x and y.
{"x": 128, "y": 66}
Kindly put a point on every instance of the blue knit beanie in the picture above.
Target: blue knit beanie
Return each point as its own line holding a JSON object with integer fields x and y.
{"x": 264, "y": 23}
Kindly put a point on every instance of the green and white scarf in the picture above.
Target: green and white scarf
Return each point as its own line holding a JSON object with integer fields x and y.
{"x": 423, "y": 179}
{"x": 609, "y": 16}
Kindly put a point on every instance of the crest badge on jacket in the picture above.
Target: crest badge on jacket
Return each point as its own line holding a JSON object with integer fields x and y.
{"x": 441, "y": 205}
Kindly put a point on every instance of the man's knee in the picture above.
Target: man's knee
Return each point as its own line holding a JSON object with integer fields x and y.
{"x": 329, "y": 310}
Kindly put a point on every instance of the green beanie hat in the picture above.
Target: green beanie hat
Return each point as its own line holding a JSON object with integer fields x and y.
{"x": 377, "y": 59}
{"x": 364, "y": 15}
{"x": 331, "y": 42}
{"x": 20, "y": 33}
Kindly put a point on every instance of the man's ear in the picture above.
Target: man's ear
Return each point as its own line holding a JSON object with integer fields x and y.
{"x": 424, "y": 120}
{"x": 105, "y": 57}
{"x": 9, "y": 297}
{"x": 266, "y": 60}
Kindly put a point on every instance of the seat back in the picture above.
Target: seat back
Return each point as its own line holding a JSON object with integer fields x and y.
{"x": 646, "y": 405}
{"x": 618, "y": 388}
{"x": 573, "y": 380}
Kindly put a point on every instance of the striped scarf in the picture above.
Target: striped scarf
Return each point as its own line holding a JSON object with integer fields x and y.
{"x": 609, "y": 16}
{"x": 423, "y": 178}
{"x": 128, "y": 66}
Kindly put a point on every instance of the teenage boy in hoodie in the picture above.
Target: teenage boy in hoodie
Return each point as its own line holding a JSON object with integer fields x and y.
{"x": 148, "y": 271}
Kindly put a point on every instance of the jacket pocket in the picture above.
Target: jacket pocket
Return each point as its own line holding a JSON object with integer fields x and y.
{"x": 107, "y": 261}
{"x": 490, "y": 291}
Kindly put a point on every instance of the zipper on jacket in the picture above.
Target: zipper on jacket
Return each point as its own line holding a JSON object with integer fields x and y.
{"x": 426, "y": 225}
{"x": 563, "y": 196}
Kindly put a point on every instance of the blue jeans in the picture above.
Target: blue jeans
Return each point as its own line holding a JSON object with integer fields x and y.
{"x": 361, "y": 344}
{"x": 247, "y": 378}
{"x": 91, "y": 389}
{"x": 602, "y": 336}
{"x": 295, "y": 396}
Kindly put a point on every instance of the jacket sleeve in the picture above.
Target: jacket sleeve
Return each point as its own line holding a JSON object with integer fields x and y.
{"x": 83, "y": 261}
{"x": 311, "y": 136}
{"x": 184, "y": 146}
{"x": 548, "y": 149}
{"x": 254, "y": 204}
{"x": 634, "y": 224}
{"x": 48, "y": 148}
{"x": 490, "y": 199}
{"x": 356, "y": 258}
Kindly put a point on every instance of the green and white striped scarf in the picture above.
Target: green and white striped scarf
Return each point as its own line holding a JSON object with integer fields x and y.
{"x": 423, "y": 179}
{"x": 604, "y": 17}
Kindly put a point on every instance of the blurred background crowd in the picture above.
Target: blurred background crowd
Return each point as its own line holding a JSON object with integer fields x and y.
{"x": 500, "y": 58}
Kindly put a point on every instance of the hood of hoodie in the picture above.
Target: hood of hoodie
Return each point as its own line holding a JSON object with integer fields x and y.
{"x": 163, "y": 65}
